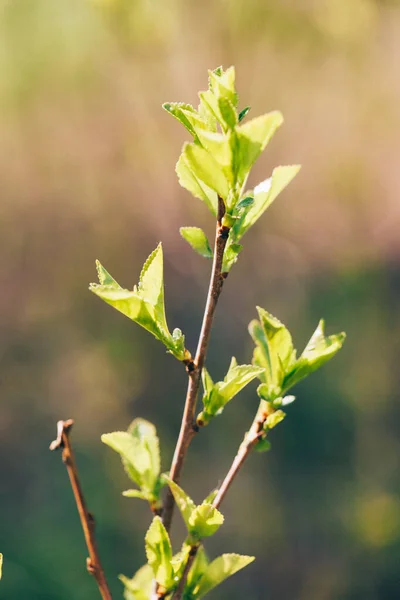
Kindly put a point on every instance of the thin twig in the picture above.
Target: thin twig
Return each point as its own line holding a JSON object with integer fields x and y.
{"x": 93, "y": 563}
{"x": 245, "y": 449}
{"x": 188, "y": 425}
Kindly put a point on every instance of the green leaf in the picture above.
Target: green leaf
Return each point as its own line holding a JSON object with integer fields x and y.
{"x": 140, "y": 453}
{"x": 275, "y": 418}
{"x": 159, "y": 553}
{"x": 206, "y": 169}
{"x": 204, "y": 521}
{"x": 220, "y": 569}
{"x": 139, "y": 586}
{"x": 191, "y": 182}
{"x": 251, "y": 139}
{"x": 274, "y": 351}
{"x": 219, "y": 147}
{"x": 227, "y": 112}
{"x": 318, "y": 351}
{"x": 222, "y": 84}
{"x": 208, "y": 383}
{"x": 187, "y": 115}
{"x": 105, "y": 277}
{"x": 137, "y": 494}
{"x": 243, "y": 113}
{"x": 245, "y": 203}
{"x": 263, "y": 445}
{"x": 183, "y": 501}
{"x": 199, "y": 566}
{"x": 217, "y": 395}
{"x": 1, "y": 565}
{"x": 264, "y": 195}
{"x": 179, "y": 561}
{"x": 232, "y": 251}
{"x": 145, "y": 303}
{"x": 197, "y": 239}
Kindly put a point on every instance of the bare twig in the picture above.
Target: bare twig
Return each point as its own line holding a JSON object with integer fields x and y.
{"x": 245, "y": 449}
{"x": 188, "y": 425}
{"x": 93, "y": 563}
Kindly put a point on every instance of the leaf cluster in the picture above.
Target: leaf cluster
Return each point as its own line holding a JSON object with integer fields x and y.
{"x": 140, "y": 453}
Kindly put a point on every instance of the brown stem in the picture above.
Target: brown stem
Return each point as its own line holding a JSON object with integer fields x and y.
{"x": 245, "y": 449}
{"x": 188, "y": 425}
{"x": 93, "y": 563}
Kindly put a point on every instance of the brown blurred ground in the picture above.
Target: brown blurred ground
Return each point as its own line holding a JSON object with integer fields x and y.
{"x": 87, "y": 171}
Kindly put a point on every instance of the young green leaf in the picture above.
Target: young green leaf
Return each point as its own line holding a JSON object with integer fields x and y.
{"x": 183, "y": 501}
{"x": 198, "y": 569}
{"x": 318, "y": 351}
{"x": 220, "y": 569}
{"x": 274, "y": 351}
{"x": 140, "y": 453}
{"x": 228, "y": 112}
{"x": 217, "y": 395}
{"x": 251, "y": 139}
{"x": 159, "y": 553}
{"x": 187, "y": 115}
{"x": 145, "y": 303}
{"x": 206, "y": 169}
{"x": 193, "y": 184}
{"x": 275, "y": 418}
{"x": 243, "y": 113}
{"x": 232, "y": 251}
{"x": 245, "y": 203}
{"x": 201, "y": 521}
{"x": 204, "y": 521}
{"x": 264, "y": 195}
{"x": 198, "y": 240}
{"x": 139, "y": 586}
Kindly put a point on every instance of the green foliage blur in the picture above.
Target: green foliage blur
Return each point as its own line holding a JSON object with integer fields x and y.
{"x": 87, "y": 160}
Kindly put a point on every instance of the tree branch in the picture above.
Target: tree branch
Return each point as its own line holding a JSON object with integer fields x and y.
{"x": 188, "y": 425}
{"x": 245, "y": 449}
{"x": 93, "y": 563}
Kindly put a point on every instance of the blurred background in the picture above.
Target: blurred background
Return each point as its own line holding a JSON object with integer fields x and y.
{"x": 87, "y": 160}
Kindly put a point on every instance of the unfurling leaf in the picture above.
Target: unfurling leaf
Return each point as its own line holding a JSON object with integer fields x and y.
{"x": 220, "y": 569}
{"x": 217, "y": 395}
{"x": 198, "y": 240}
{"x": 140, "y": 453}
{"x": 159, "y": 553}
{"x": 231, "y": 253}
{"x": 139, "y": 586}
{"x": 145, "y": 303}
{"x": 243, "y": 113}
{"x": 183, "y": 501}
{"x": 318, "y": 351}
{"x": 262, "y": 445}
{"x": 274, "y": 352}
{"x": 204, "y": 521}
{"x": 275, "y": 418}
{"x": 264, "y": 195}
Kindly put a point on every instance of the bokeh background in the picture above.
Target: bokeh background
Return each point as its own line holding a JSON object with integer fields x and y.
{"x": 87, "y": 171}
